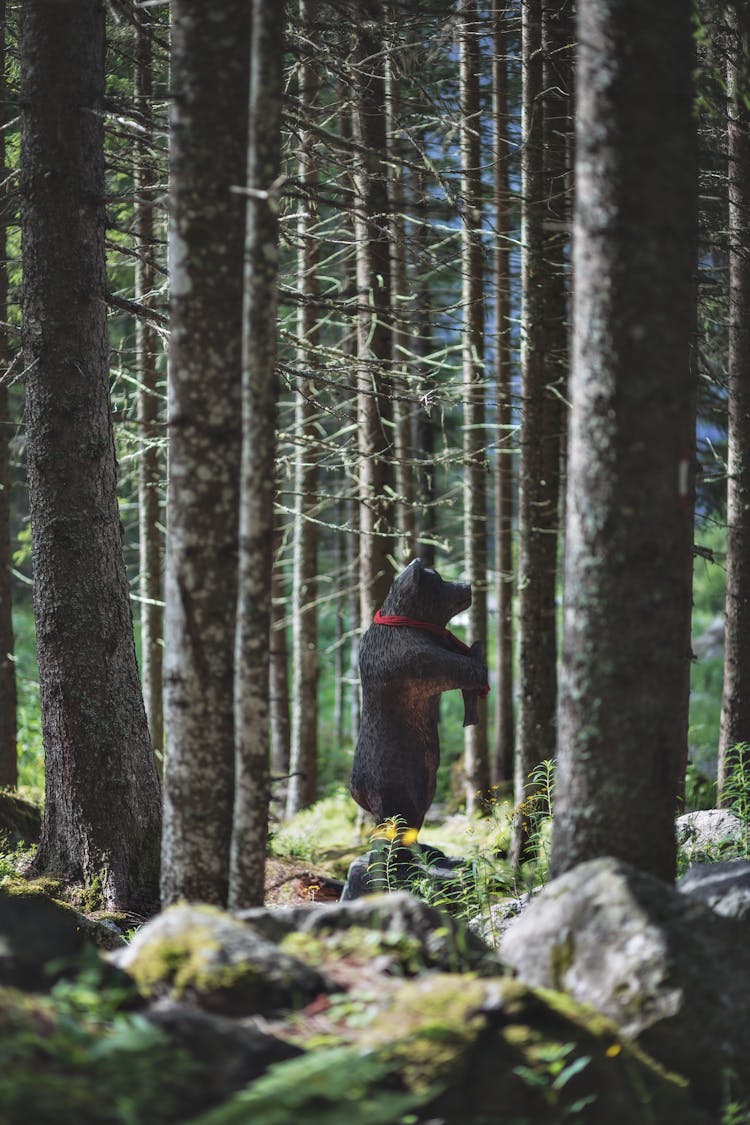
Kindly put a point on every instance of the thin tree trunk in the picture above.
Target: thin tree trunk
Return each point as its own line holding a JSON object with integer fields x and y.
{"x": 629, "y": 531}
{"x": 259, "y": 409}
{"x": 102, "y": 810}
{"x": 537, "y": 670}
{"x": 402, "y": 405}
{"x": 278, "y": 696}
{"x": 735, "y": 710}
{"x": 303, "y": 779}
{"x": 150, "y": 469}
{"x": 8, "y": 731}
{"x": 373, "y": 320}
{"x": 210, "y": 60}
{"x": 476, "y": 752}
{"x": 424, "y": 426}
{"x": 502, "y": 758}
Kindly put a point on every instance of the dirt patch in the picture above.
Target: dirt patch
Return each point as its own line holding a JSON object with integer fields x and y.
{"x": 288, "y": 882}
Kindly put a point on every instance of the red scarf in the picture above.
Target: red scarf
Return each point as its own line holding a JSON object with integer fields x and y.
{"x": 428, "y": 627}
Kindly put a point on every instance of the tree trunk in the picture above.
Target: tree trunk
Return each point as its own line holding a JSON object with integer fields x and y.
{"x": 502, "y": 757}
{"x": 735, "y": 710}
{"x": 629, "y": 529}
{"x": 210, "y": 60}
{"x": 400, "y": 337}
{"x": 537, "y": 516}
{"x": 259, "y": 408}
{"x": 303, "y": 780}
{"x": 8, "y": 732}
{"x": 373, "y": 320}
{"x": 278, "y": 696}
{"x": 150, "y": 471}
{"x": 101, "y": 814}
{"x": 422, "y": 345}
{"x": 476, "y": 753}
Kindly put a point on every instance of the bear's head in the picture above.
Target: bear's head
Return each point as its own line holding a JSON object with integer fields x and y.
{"x": 421, "y": 593}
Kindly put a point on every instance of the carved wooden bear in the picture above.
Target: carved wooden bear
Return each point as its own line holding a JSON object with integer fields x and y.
{"x": 407, "y": 658}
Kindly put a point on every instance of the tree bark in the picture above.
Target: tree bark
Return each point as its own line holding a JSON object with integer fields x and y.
{"x": 8, "y": 726}
{"x": 210, "y": 61}
{"x": 502, "y": 757}
{"x": 373, "y": 320}
{"x": 303, "y": 779}
{"x": 537, "y": 516}
{"x": 476, "y": 753}
{"x": 735, "y": 710}
{"x": 259, "y": 408}
{"x": 101, "y": 815}
{"x": 629, "y": 527}
{"x": 150, "y": 468}
{"x": 278, "y": 696}
{"x": 400, "y": 336}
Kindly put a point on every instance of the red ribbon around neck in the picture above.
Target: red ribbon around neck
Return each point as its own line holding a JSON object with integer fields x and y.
{"x": 427, "y": 627}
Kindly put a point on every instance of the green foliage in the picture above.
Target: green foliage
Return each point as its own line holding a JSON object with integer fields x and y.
{"x": 327, "y": 827}
{"x": 736, "y": 790}
{"x": 552, "y": 1071}
{"x": 77, "y": 1055}
{"x": 334, "y": 1086}
{"x": 30, "y": 749}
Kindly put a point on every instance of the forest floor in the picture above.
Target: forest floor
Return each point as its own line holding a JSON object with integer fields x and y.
{"x": 292, "y": 881}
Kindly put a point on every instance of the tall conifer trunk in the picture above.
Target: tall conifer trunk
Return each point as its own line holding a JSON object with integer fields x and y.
{"x": 150, "y": 469}
{"x": 210, "y": 69}
{"x": 303, "y": 780}
{"x": 502, "y": 756}
{"x": 629, "y": 521}
{"x": 373, "y": 320}
{"x": 476, "y": 755}
{"x": 102, "y": 812}
{"x": 8, "y": 725}
{"x": 259, "y": 415}
{"x": 735, "y": 711}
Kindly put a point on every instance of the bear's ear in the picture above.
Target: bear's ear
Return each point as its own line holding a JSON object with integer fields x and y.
{"x": 409, "y": 579}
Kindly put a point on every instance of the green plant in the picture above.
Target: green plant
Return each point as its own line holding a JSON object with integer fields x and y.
{"x": 736, "y": 789}
{"x": 552, "y": 1071}
{"x": 77, "y": 1055}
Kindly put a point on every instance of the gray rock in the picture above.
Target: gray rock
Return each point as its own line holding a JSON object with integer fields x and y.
{"x": 226, "y": 1053}
{"x": 710, "y": 833}
{"x": 725, "y": 887}
{"x": 209, "y": 958}
{"x": 441, "y": 941}
{"x": 666, "y": 969}
{"x": 492, "y": 925}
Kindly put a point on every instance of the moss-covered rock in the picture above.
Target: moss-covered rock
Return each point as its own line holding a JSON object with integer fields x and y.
{"x": 425, "y": 936}
{"x": 42, "y": 939}
{"x": 204, "y": 956}
{"x": 668, "y": 971}
{"x": 20, "y": 820}
{"x": 70, "y": 1057}
{"x": 470, "y": 1051}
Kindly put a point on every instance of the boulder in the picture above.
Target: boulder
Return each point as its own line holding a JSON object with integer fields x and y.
{"x": 671, "y": 973}
{"x": 42, "y": 939}
{"x": 207, "y": 957}
{"x": 461, "y": 1051}
{"x": 20, "y": 821}
{"x": 398, "y": 922}
{"x": 725, "y": 887}
{"x": 226, "y": 1054}
{"x": 710, "y": 834}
